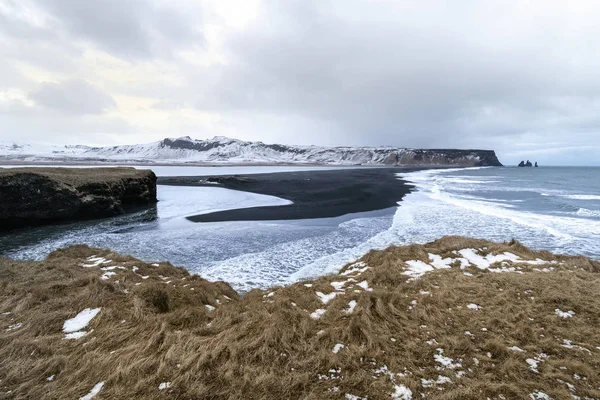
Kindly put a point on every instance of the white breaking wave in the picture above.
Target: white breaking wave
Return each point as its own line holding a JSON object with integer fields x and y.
{"x": 581, "y": 196}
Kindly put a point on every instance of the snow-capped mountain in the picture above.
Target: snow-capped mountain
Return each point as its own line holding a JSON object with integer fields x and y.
{"x": 222, "y": 150}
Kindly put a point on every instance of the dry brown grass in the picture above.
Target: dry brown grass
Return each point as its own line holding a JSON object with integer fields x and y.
{"x": 263, "y": 346}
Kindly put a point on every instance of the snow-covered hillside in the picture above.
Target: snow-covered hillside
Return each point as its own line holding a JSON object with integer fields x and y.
{"x": 222, "y": 150}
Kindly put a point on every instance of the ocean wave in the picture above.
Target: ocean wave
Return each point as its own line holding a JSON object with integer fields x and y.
{"x": 584, "y": 212}
{"x": 581, "y": 196}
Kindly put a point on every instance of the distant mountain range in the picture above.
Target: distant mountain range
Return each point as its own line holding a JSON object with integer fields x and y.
{"x": 222, "y": 150}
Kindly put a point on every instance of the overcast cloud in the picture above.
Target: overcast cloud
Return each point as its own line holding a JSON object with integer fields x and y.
{"x": 518, "y": 77}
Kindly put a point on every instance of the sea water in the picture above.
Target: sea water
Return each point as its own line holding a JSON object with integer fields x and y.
{"x": 546, "y": 208}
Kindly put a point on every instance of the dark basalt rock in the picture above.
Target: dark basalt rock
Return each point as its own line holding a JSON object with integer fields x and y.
{"x": 526, "y": 164}
{"x": 38, "y": 196}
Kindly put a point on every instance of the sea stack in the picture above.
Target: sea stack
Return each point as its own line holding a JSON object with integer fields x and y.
{"x": 38, "y": 196}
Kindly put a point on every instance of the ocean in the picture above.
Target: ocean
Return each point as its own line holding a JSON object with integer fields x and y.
{"x": 553, "y": 208}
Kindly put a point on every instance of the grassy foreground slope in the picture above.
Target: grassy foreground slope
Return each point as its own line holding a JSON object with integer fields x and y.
{"x": 494, "y": 321}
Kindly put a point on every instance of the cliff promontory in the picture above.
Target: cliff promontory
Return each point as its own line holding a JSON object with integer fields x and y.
{"x": 37, "y": 196}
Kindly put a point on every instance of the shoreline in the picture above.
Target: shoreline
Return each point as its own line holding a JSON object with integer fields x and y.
{"x": 314, "y": 194}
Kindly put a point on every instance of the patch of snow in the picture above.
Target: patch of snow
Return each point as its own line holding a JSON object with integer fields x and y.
{"x": 569, "y": 345}
{"x": 353, "y": 397}
{"x": 447, "y": 362}
{"x": 76, "y": 335}
{"x": 326, "y": 298}
{"x": 416, "y": 268}
{"x": 337, "y": 348}
{"x": 517, "y": 349}
{"x": 427, "y": 383}
{"x": 467, "y": 274}
{"x": 209, "y": 307}
{"x": 14, "y": 326}
{"x": 401, "y": 392}
{"x": 106, "y": 276}
{"x": 340, "y": 285}
{"x": 356, "y": 268}
{"x": 563, "y": 314}
{"x": 308, "y": 284}
{"x": 439, "y": 262}
{"x": 365, "y": 286}
{"x": 80, "y": 321}
{"x": 351, "y": 307}
{"x": 95, "y": 261}
{"x": 539, "y": 396}
{"x": 533, "y": 364}
{"x": 95, "y": 390}
{"x": 473, "y": 306}
{"x": 318, "y": 313}
{"x": 155, "y": 265}
{"x": 164, "y": 385}
{"x": 50, "y": 378}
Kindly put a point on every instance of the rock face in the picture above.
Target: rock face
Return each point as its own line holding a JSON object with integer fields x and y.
{"x": 37, "y": 196}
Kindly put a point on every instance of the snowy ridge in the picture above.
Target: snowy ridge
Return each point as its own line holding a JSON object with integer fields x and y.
{"x": 222, "y": 150}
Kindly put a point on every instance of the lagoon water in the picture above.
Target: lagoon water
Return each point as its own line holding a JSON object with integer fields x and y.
{"x": 554, "y": 208}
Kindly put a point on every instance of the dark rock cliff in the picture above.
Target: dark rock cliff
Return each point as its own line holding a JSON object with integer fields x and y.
{"x": 37, "y": 196}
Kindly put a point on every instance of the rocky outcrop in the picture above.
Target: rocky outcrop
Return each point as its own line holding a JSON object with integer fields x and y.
{"x": 526, "y": 164}
{"x": 37, "y": 196}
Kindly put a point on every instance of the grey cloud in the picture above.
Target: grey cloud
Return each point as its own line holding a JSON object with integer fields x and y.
{"x": 391, "y": 75}
{"x": 73, "y": 97}
{"x": 128, "y": 29}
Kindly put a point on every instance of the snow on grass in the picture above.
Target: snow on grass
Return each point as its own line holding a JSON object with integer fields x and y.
{"x": 349, "y": 396}
{"x": 95, "y": 390}
{"x": 351, "y": 307}
{"x": 539, "y": 396}
{"x": 517, "y": 349}
{"x": 534, "y": 362}
{"x": 482, "y": 262}
{"x": 365, "y": 286}
{"x": 416, "y": 268}
{"x": 564, "y": 314}
{"x": 473, "y": 306}
{"x": 340, "y": 285}
{"x": 427, "y": 383}
{"x": 337, "y": 348}
{"x": 73, "y": 327}
{"x": 569, "y": 345}
{"x": 209, "y": 307}
{"x": 326, "y": 298}
{"x": 164, "y": 385}
{"x": 439, "y": 262}
{"x": 76, "y": 335}
{"x": 14, "y": 326}
{"x": 401, "y": 392}
{"x": 95, "y": 261}
{"x": 356, "y": 268}
{"x": 445, "y": 361}
{"x": 318, "y": 313}
{"x": 50, "y": 378}
{"x": 106, "y": 276}
{"x": 155, "y": 265}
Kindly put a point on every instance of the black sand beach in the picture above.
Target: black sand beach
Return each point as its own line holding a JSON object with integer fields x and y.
{"x": 315, "y": 194}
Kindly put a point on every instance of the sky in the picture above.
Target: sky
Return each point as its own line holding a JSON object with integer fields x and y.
{"x": 518, "y": 77}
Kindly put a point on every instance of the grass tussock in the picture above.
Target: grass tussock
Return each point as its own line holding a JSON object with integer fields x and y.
{"x": 370, "y": 331}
